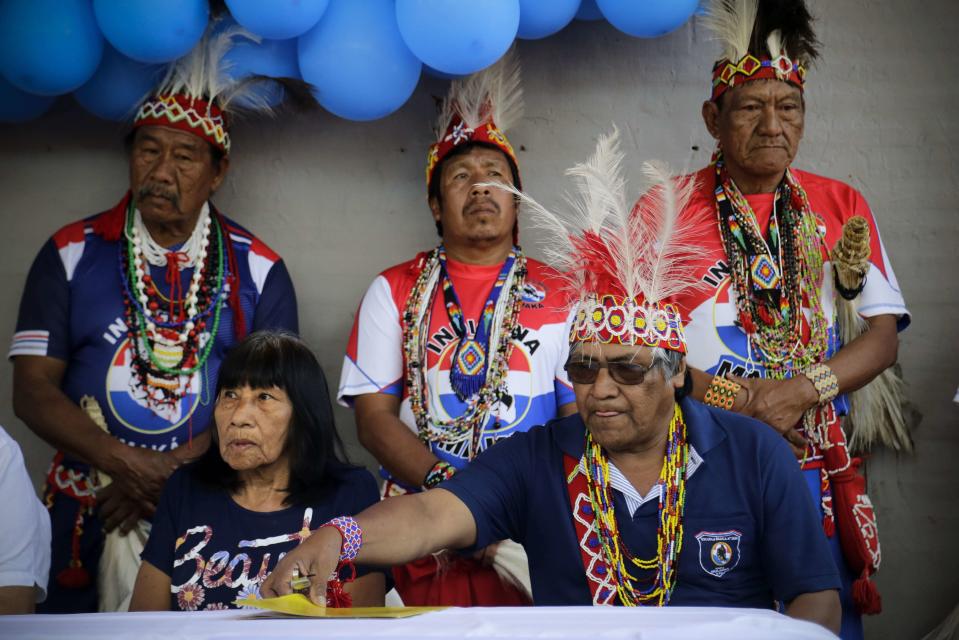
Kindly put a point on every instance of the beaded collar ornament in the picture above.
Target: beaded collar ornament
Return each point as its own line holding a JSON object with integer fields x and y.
{"x": 479, "y": 109}
{"x": 168, "y": 335}
{"x": 503, "y": 324}
{"x": 768, "y": 40}
{"x": 669, "y": 536}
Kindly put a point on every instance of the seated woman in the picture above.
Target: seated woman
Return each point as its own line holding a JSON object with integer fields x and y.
{"x": 273, "y": 474}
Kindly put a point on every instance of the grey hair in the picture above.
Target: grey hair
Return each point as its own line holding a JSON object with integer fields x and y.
{"x": 667, "y": 360}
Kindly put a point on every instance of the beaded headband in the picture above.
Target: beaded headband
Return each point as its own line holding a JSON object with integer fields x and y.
{"x": 459, "y": 133}
{"x": 727, "y": 74}
{"x": 478, "y": 109}
{"x": 193, "y": 115}
{"x": 611, "y": 319}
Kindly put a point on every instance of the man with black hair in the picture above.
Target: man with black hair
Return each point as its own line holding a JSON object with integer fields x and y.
{"x": 463, "y": 345}
{"x": 125, "y": 318}
{"x": 763, "y": 331}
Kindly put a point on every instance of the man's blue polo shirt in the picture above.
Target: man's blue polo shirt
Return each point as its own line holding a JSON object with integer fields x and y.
{"x": 751, "y": 534}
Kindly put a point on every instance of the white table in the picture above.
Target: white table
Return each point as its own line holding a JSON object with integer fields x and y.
{"x": 581, "y": 623}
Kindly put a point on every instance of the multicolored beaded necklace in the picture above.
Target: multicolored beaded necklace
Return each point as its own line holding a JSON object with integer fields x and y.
{"x": 775, "y": 274}
{"x": 669, "y": 537}
{"x": 503, "y": 324}
{"x": 468, "y": 372}
{"x": 167, "y": 336}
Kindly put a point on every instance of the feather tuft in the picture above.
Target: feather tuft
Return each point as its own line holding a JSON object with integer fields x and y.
{"x": 493, "y": 94}
{"x": 645, "y": 251}
{"x": 731, "y": 22}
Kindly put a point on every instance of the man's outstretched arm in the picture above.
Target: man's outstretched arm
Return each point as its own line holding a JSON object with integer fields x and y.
{"x": 395, "y": 531}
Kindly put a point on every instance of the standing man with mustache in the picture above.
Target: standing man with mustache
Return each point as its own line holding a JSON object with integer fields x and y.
{"x": 763, "y": 331}
{"x": 125, "y": 318}
{"x": 464, "y": 344}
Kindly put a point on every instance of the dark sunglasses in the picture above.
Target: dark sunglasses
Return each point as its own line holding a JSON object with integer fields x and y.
{"x": 586, "y": 372}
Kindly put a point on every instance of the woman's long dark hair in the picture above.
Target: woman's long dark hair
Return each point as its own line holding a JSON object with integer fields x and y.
{"x": 280, "y": 359}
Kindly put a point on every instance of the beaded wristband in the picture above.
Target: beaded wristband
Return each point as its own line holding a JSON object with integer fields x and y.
{"x": 441, "y": 471}
{"x": 825, "y": 381}
{"x": 721, "y": 393}
{"x": 352, "y": 536}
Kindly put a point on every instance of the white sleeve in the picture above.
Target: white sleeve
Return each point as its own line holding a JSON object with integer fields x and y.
{"x": 374, "y": 354}
{"x": 25, "y": 525}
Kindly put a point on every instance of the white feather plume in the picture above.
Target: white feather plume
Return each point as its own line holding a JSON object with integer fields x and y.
{"x": 493, "y": 94}
{"x": 774, "y": 42}
{"x": 731, "y": 22}
{"x": 646, "y": 250}
{"x": 202, "y": 72}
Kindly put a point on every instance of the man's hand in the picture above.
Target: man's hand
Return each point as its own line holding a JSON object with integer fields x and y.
{"x": 117, "y": 509}
{"x": 140, "y": 473}
{"x": 778, "y": 403}
{"x": 317, "y": 558}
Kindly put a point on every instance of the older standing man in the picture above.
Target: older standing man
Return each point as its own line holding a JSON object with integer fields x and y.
{"x": 762, "y": 330}
{"x": 643, "y": 497}
{"x": 463, "y": 345}
{"x": 128, "y": 314}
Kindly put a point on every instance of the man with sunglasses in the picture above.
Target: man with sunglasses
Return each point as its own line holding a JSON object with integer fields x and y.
{"x": 642, "y": 497}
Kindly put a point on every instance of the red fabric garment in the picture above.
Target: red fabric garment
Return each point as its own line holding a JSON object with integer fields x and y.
{"x": 458, "y": 582}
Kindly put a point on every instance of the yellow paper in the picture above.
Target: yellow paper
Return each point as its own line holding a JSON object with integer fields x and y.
{"x": 297, "y": 604}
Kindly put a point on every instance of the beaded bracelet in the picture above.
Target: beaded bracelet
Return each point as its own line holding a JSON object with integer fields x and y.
{"x": 721, "y": 393}
{"x": 825, "y": 381}
{"x": 441, "y": 471}
{"x": 352, "y": 536}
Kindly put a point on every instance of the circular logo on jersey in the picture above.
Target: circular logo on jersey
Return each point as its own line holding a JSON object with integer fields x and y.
{"x": 721, "y": 554}
{"x": 533, "y": 292}
{"x": 511, "y": 409}
{"x": 131, "y": 406}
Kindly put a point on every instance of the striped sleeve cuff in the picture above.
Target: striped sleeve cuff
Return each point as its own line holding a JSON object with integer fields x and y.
{"x": 29, "y": 343}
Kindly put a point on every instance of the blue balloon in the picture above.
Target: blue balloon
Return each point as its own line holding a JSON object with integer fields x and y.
{"x": 20, "y": 106}
{"x": 541, "y": 18}
{"x": 589, "y": 11}
{"x": 458, "y": 37}
{"x": 277, "y": 19}
{"x": 357, "y": 61}
{"x": 118, "y": 87}
{"x": 273, "y": 58}
{"x": 48, "y": 47}
{"x": 649, "y": 18}
{"x": 151, "y": 31}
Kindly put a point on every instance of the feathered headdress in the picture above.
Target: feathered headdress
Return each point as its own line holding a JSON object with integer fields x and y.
{"x": 197, "y": 96}
{"x": 623, "y": 267}
{"x": 760, "y": 39}
{"x": 479, "y": 109}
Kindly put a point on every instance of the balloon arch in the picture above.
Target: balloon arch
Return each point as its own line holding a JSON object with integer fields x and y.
{"x": 364, "y": 57}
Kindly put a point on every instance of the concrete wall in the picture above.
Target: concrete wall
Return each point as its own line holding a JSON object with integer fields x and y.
{"x": 341, "y": 201}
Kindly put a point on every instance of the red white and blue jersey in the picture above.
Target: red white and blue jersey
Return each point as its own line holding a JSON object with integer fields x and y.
{"x": 536, "y": 381}
{"x": 715, "y": 340}
{"x": 72, "y": 310}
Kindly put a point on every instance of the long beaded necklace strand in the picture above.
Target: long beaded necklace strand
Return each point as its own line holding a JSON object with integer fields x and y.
{"x": 468, "y": 372}
{"x": 164, "y": 351}
{"x": 669, "y": 536}
{"x": 772, "y": 280}
{"x": 416, "y": 323}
